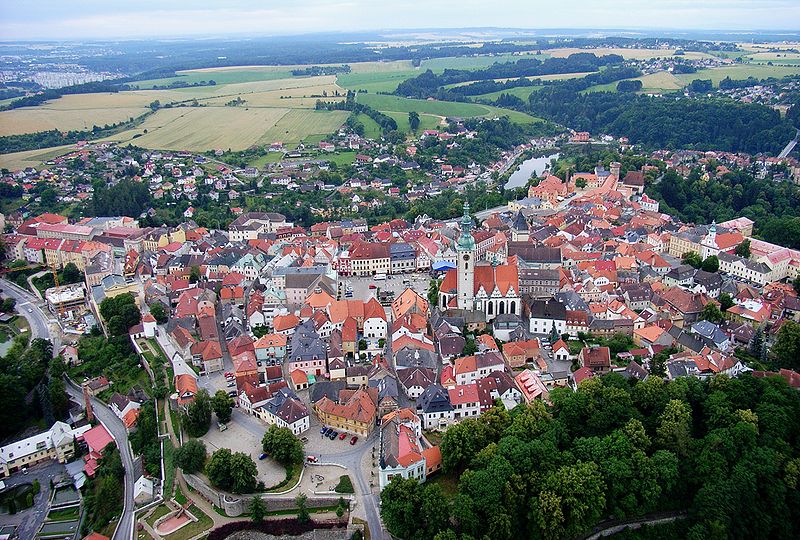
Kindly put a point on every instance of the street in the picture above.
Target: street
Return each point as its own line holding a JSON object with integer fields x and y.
{"x": 37, "y": 317}
{"x": 28, "y": 521}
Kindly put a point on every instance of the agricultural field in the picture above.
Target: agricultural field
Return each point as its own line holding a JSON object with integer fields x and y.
{"x": 220, "y": 76}
{"x": 374, "y": 82}
{"x": 660, "y": 81}
{"x": 237, "y": 128}
{"x": 32, "y": 158}
{"x": 398, "y": 104}
{"x": 298, "y": 125}
{"x": 64, "y": 116}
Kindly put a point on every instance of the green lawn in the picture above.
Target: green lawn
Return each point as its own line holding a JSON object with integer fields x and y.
{"x": 371, "y": 128}
{"x": 292, "y": 477}
{"x": 522, "y": 92}
{"x": 193, "y": 529}
{"x": 340, "y": 158}
{"x": 161, "y": 510}
{"x": 380, "y": 81}
{"x": 66, "y": 514}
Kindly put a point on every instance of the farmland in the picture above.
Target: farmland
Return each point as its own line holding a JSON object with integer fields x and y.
{"x": 398, "y": 104}
{"x": 740, "y": 71}
{"x": 521, "y": 92}
{"x": 219, "y": 76}
{"x": 206, "y": 128}
{"x": 633, "y": 54}
{"x": 31, "y": 158}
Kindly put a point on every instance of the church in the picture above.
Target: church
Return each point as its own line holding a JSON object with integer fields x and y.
{"x": 479, "y": 285}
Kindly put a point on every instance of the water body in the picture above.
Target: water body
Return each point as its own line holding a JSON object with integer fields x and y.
{"x": 528, "y": 168}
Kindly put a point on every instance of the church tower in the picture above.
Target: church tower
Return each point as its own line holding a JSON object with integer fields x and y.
{"x": 465, "y": 248}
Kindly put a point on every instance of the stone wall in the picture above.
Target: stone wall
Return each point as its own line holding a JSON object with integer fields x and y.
{"x": 236, "y": 505}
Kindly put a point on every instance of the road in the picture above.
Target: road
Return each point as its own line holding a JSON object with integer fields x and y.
{"x": 29, "y": 521}
{"x": 32, "y": 309}
{"x": 789, "y": 147}
{"x": 117, "y": 429}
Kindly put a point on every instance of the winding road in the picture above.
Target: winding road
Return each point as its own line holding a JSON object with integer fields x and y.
{"x": 30, "y": 307}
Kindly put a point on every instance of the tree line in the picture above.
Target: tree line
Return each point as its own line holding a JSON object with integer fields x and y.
{"x": 428, "y": 84}
{"x": 724, "y": 450}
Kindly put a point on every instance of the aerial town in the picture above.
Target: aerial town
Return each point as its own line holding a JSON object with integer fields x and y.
{"x": 377, "y": 271}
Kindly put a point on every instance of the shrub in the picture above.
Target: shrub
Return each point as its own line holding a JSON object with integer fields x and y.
{"x": 345, "y": 485}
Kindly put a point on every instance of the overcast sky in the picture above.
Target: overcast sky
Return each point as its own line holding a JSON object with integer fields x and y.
{"x": 70, "y": 19}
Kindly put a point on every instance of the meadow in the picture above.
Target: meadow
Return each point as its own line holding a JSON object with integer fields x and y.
{"x": 32, "y": 158}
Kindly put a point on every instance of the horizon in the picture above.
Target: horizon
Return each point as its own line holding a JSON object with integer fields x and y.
{"x": 93, "y": 20}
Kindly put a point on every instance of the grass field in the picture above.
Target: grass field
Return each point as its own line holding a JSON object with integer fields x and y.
{"x": 661, "y": 81}
{"x": 522, "y": 92}
{"x": 296, "y": 125}
{"x": 440, "y": 108}
{"x": 381, "y": 81}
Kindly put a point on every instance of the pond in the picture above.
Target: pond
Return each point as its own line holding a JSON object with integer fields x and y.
{"x": 528, "y": 168}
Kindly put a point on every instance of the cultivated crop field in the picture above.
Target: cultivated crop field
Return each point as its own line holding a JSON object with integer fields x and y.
{"x": 297, "y": 125}
{"x": 32, "y": 158}
{"x": 739, "y": 71}
{"x": 522, "y": 92}
{"x": 398, "y": 104}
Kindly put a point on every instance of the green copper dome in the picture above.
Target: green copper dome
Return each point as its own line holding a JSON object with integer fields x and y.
{"x": 466, "y": 242}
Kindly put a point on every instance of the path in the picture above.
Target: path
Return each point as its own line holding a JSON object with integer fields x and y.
{"x": 789, "y": 147}
{"x": 611, "y": 527}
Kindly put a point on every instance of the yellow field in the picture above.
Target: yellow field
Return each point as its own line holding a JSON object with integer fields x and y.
{"x": 660, "y": 80}
{"x": 635, "y": 54}
{"x": 203, "y": 128}
{"x": 32, "y": 158}
{"x": 45, "y": 118}
{"x": 238, "y": 128}
{"x": 298, "y": 124}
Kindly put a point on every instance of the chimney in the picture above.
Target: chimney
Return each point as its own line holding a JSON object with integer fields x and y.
{"x": 88, "y": 404}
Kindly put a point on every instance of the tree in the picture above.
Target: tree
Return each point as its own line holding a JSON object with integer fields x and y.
{"x": 692, "y": 259}
{"x": 711, "y": 264}
{"x": 282, "y": 445}
{"x": 796, "y": 284}
{"x": 222, "y": 405}
{"x": 218, "y": 469}
{"x": 59, "y": 400}
{"x": 571, "y": 502}
{"x": 71, "y": 274}
{"x": 302, "y": 510}
{"x": 433, "y": 292}
{"x": 580, "y": 183}
{"x": 121, "y": 313}
{"x": 194, "y": 274}
{"x": 786, "y": 350}
{"x": 191, "y": 456}
{"x": 413, "y": 120}
{"x": 400, "y": 506}
{"x": 159, "y": 313}
{"x": 243, "y": 473}
{"x": 197, "y": 419}
{"x": 258, "y": 509}
{"x": 712, "y": 313}
{"x": 725, "y": 301}
{"x": 743, "y": 249}
{"x": 8, "y": 305}
{"x": 675, "y": 428}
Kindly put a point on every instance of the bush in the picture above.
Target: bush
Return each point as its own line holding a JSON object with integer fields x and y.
{"x": 345, "y": 485}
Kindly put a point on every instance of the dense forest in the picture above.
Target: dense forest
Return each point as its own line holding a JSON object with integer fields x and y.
{"x": 661, "y": 122}
{"x": 127, "y": 198}
{"x": 721, "y": 454}
{"x": 774, "y": 206}
{"x": 428, "y": 84}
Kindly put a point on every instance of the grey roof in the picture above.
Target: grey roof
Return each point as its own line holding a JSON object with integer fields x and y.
{"x": 415, "y": 358}
{"x": 306, "y": 343}
{"x": 434, "y": 399}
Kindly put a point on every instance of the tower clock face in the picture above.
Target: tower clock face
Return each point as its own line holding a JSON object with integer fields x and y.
{"x": 466, "y": 258}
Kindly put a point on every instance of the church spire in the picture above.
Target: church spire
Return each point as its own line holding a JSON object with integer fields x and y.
{"x": 466, "y": 242}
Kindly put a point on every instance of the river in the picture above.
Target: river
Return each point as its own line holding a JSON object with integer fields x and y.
{"x": 528, "y": 168}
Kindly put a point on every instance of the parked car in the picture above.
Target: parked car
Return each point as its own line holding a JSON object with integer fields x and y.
{"x": 333, "y": 434}
{"x": 231, "y": 384}
{"x": 342, "y": 436}
{"x": 322, "y": 430}
{"x": 232, "y": 393}
{"x": 372, "y": 286}
{"x": 262, "y": 456}
{"x": 311, "y": 459}
{"x": 228, "y": 375}
{"x": 353, "y": 440}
